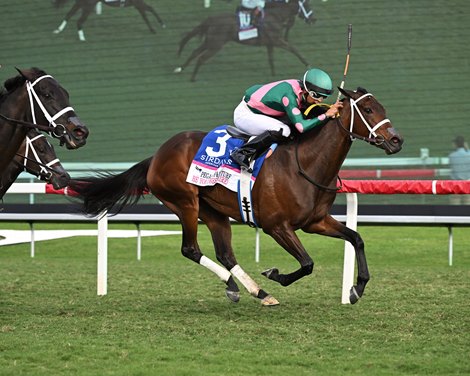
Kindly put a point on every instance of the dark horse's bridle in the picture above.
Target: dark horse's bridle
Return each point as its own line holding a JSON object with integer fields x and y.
{"x": 374, "y": 140}
{"x": 55, "y": 129}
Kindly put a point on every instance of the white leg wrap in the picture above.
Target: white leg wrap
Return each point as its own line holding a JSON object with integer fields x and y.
{"x": 245, "y": 280}
{"x": 61, "y": 27}
{"x": 81, "y": 35}
{"x": 223, "y": 273}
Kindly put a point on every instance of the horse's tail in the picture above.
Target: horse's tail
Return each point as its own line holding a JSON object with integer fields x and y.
{"x": 200, "y": 30}
{"x": 112, "y": 192}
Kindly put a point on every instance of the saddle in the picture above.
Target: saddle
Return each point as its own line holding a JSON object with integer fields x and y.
{"x": 237, "y": 133}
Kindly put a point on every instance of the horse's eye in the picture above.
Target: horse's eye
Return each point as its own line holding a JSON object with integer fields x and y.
{"x": 367, "y": 110}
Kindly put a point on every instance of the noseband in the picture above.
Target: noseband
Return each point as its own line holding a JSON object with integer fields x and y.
{"x": 46, "y": 170}
{"x": 306, "y": 15}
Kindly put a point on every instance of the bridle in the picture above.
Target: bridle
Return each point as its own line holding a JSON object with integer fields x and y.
{"x": 376, "y": 139}
{"x": 46, "y": 170}
{"x": 303, "y": 11}
{"x": 55, "y": 129}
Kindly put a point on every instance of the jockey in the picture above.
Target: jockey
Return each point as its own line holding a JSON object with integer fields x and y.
{"x": 269, "y": 111}
{"x": 256, "y": 7}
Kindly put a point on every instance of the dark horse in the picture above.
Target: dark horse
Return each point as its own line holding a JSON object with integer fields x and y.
{"x": 35, "y": 100}
{"x": 220, "y": 29}
{"x": 294, "y": 190}
{"x": 87, "y": 7}
{"x": 37, "y": 157}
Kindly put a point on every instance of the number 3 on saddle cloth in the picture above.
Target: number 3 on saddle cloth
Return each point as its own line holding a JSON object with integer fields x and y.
{"x": 212, "y": 165}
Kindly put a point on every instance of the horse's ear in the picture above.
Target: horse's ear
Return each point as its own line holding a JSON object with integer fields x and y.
{"x": 345, "y": 92}
{"x": 361, "y": 90}
{"x": 22, "y": 72}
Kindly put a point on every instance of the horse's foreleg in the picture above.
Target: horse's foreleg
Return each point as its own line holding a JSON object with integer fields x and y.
{"x": 221, "y": 233}
{"x": 85, "y": 13}
{"x": 287, "y": 238}
{"x": 67, "y": 17}
{"x": 331, "y": 227}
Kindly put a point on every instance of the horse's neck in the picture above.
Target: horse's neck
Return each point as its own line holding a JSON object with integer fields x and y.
{"x": 14, "y": 106}
{"x": 280, "y": 11}
{"x": 324, "y": 150}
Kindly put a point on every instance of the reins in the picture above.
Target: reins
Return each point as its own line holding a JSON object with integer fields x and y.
{"x": 40, "y": 127}
{"x": 44, "y": 166}
{"x": 309, "y": 179}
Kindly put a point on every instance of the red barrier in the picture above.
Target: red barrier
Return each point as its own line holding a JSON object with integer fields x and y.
{"x": 434, "y": 187}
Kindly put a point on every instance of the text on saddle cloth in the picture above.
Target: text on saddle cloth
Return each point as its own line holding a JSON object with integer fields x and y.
{"x": 212, "y": 165}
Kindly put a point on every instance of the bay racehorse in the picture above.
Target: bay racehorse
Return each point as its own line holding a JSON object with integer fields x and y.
{"x": 295, "y": 190}
{"x": 37, "y": 157}
{"x": 34, "y": 99}
{"x": 218, "y": 30}
{"x": 87, "y": 6}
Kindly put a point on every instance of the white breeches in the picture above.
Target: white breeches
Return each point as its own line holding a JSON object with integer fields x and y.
{"x": 255, "y": 124}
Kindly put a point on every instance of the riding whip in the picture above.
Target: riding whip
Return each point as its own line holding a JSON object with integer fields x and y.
{"x": 346, "y": 66}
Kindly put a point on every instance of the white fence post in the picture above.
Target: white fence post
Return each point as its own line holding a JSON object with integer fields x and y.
{"x": 103, "y": 253}
{"x": 349, "y": 253}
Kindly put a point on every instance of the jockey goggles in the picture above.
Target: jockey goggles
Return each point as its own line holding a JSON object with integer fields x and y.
{"x": 315, "y": 94}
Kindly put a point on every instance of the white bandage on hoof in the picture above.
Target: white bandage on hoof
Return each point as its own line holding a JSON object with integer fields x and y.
{"x": 245, "y": 280}
{"x": 221, "y": 272}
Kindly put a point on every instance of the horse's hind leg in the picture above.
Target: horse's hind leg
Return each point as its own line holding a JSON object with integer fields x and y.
{"x": 219, "y": 226}
{"x": 148, "y": 8}
{"x": 208, "y": 52}
{"x": 288, "y": 47}
{"x": 187, "y": 212}
{"x": 331, "y": 227}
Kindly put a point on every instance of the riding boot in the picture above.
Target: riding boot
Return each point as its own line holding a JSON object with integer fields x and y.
{"x": 254, "y": 148}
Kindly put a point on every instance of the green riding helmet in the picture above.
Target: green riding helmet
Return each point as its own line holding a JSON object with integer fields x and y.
{"x": 318, "y": 83}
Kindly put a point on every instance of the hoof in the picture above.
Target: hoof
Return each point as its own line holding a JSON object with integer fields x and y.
{"x": 178, "y": 70}
{"x": 271, "y": 273}
{"x": 234, "y": 296}
{"x": 269, "y": 301}
{"x": 163, "y": 26}
{"x": 353, "y": 295}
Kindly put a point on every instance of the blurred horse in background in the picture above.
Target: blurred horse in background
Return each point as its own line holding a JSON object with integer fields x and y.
{"x": 218, "y": 30}
{"x": 87, "y": 6}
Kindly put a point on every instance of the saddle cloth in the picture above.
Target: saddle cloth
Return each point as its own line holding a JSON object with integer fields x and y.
{"x": 212, "y": 164}
{"x": 246, "y": 29}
